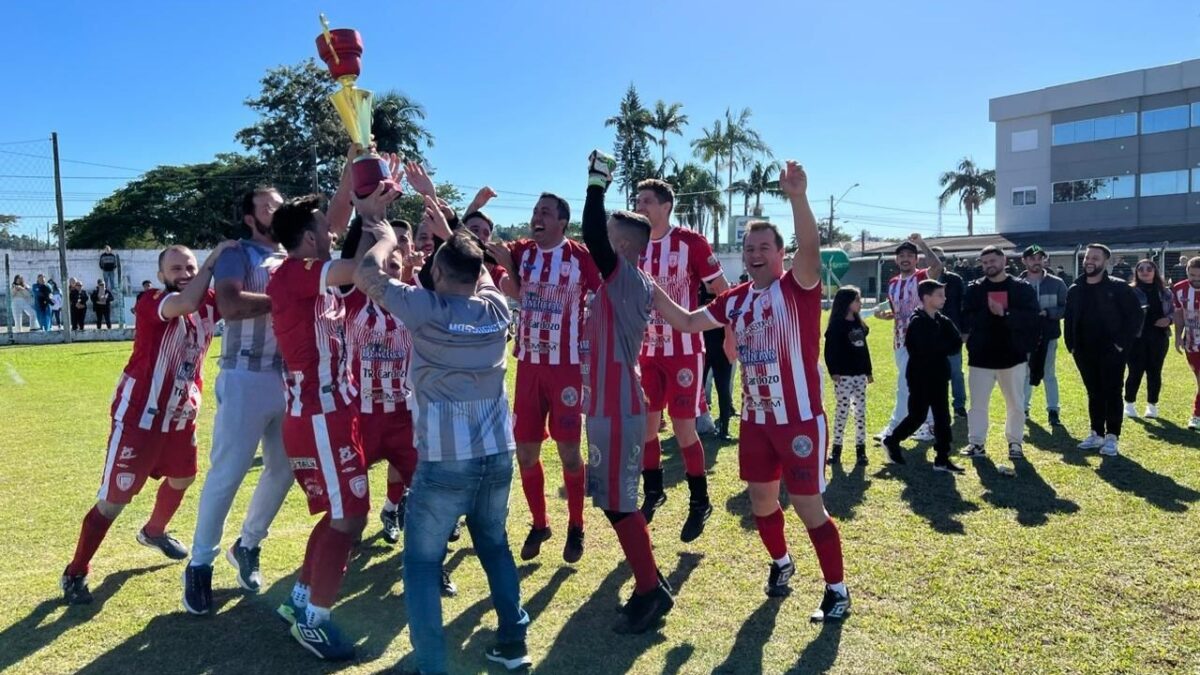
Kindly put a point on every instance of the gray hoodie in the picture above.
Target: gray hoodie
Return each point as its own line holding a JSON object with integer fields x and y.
{"x": 1052, "y": 297}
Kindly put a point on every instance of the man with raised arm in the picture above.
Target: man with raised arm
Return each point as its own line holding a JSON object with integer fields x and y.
{"x": 776, "y": 319}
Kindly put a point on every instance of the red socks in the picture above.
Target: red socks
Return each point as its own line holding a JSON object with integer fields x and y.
{"x": 329, "y": 567}
{"x": 95, "y": 526}
{"x": 395, "y": 491}
{"x": 635, "y": 542}
{"x": 652, "y": 454}
{"x": 533, "y": 482}
{"x": 827, "y": 542}
{"x": 693, "y": 459}
{"x": 770, "y": 530}
{"x": 576, "y": 487}
{"x": 165, "y": 505}
{"x": 310, "y": 552}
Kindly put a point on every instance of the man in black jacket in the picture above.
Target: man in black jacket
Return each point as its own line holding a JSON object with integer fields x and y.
{"x": 955, "y": 287}
{"x": 1000, "y": 314}
{"x": 1103, "y": 318}
{"x": 1052, "y": 299}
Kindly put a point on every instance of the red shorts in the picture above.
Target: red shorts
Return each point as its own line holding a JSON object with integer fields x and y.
{"x": 547, "y": 391}
{"x": 674, "y": 384}
{"x": 389, "y": 437}
{"x": 1193, "y": 359}
{"x": 135, "y": 454}
{"x": 795, "y": 452}
{"x": 327, "y": 459}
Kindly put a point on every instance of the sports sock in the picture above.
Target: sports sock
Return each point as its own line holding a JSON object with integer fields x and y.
{"x": 395, "y": 492}
{"x": 389, "y": 506}
{"x": 827, "y": 542}
{"x": 693, "y": 459}
{"x": 95, "y": 526}
{"x": 300, "y": 594}
{"x": 576, "y": 487}
{"x": 839, "y": 588}
{"x": 652, "y": 454}
{"x": 315, "y": 616}
{"x": 310, "y": 551}
{"x": 635, "y": 542}
{"x": 533, "y": 483}
{"x": 787, "y": 558}
{"x": 770, "y": 530}
{"x": 698, "y": 489}
{"x": 166, "y": 503}
{"x": 329, "y": 567}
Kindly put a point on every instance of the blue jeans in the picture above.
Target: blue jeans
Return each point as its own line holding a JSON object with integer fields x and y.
{"x": 957, "y": 386}
{"x": 441, "y": 493}
{"x": 43, "y": 316}
{"x": 1049, "y": 379}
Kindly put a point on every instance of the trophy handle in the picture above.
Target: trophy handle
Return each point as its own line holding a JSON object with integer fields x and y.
{"x": 328, "y": 37}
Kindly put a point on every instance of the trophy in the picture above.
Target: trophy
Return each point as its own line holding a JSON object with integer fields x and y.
{"x": 341, "y": 50}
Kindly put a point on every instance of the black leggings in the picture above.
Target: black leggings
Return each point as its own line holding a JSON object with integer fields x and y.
{"x": 103, "y": 314}
{"x": 722, "y": 370}
{"x": 1146, "y": 356}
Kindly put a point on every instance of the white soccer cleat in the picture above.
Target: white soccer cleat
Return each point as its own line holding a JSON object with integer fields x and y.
{"x": 1092, "y": 442}
{"x": 1109, "y": 449}
{"x": 1130, "y": 410}
{"x": 1195, "y": 423}
{"x": 1151, "y": 411}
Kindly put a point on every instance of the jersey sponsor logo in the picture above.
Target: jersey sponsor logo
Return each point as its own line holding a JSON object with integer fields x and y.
{"x": 345, "y": 454}
{"x": 536, "y": 303}
{"x": 545, "y": 325}
{"x": 377, "y": 351}
{"x": 757, "y": 327}
{"x": 540, "y": 347}
{"x": 125, "y": 481}
{"x": 760, "y": 380}
{"x": 484, "y": 329}
{"x": 750, "y": 357}
{"x": 802, "y": 446}
{"x": 358, "y": 486}
{"x": 570, "y": 396}
{"x": 764, "y": 403}
{"x": 382, "y": 396}
{"x": 685, "y": 377}
{"x": 127, "y": 453}
{"x": 303, "y": 463}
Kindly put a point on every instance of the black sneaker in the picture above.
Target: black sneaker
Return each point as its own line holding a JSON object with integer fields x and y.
{"x": 165, "y": 543}
{"x": 835, "y": 453}
{"x": 245, "y": 561}
{"x": 1052, "y": 415}
{"x": 644, "y": 611}
{"x": 947, "y": 466}
{"x": 834, "y": 608}
{"x": 573, "y": 549}
{"x": 75, "y": 589}
{"x": 960, "y": 412}
{"x": 197, "y": 589}
{"x": 893, "y": 451}
{"x": 860, "y": 454}
{"x": 391, "y": 525}
{"x": 723, "y": 430}
{"x": 662, "y": 581}
{"x": 652, "y": 485}
{"x": 511, "y": 655}
{"x": 456, "y": 533}
{"x": 778, "y": 578}
{"x": 533, "y": 542}
{"x": 697, "y": 516}
{"x": 448, "y": 589}
{"x": 974, "y": 450}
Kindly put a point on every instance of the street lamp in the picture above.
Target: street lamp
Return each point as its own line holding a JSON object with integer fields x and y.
{"x": 833, "y": 204}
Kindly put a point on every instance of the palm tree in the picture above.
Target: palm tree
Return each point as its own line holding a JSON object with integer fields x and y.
{"x": 764, "y": 178}
{"x": 698, "y": 194}
{"x": 973, "y": 187}
{"x": 711, "y": 148}
{"x": 666, "y": 119}
{"x": 742, "y": 144}
{"x": 396, "y": 123}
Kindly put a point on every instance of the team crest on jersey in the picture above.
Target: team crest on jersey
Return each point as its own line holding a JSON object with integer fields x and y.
{"x": 802, "y": 446}
{"x": 127, "y": 454}
{"x": 312, "y": 488}
{"x": 358, "y": 485}
{"x": 712, "y": 260}
{"x": 672, "y": 260}
{"x": 345, "y": 454}
{"x": 685, "y": 377}
{"x": 594, "y": 456}
{"x": 570, "y": 396}
{"x": 125, "y": 481}
{"x": 765, "y": 301}
{"x": 566, "y": 269}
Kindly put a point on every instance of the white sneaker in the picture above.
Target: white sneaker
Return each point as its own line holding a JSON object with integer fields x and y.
{"x": 1195, "y": 423}
{"x": 1109, "y": 449}
{"x": 1092, "y": 442}
{"x": 924, "y": 434}
{"x": 1130, "y": 410}
{"x": 1151, "y": 411}
{"x": 884, "y": 433}
{"x": 704, "y": 425}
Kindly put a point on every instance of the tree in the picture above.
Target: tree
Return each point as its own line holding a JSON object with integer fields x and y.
{"x": 16, "y": 241}
{"x": 973, "y": 187}
{"x": 697, "y": 197}
{"x": 711, "y": 148}
{"x": 666, "y": 119}
{"x": 411, "y": 206}
{"x": 741, "y": 144}
{"x": 631, "y": 147}
{"x": 763, "y": 179}
{"x": 297, "y": 121}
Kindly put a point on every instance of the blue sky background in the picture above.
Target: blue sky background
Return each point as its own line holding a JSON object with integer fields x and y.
{"x": 883, "y": 94}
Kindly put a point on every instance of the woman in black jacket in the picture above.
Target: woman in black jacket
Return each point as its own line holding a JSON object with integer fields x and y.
{"x": 79, "y": 300}
{"x": 848, "y": 361}
{"x": 1150, "y": 349}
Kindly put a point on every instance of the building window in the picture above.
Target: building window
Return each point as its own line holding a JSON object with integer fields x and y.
{"x": 1091, "y": 189}
{"x": 1164, "y": 183}
{"x": 1024, "y": 140}
{"x": 1024, "y": 196}
{"x": 1165, "y": 119}
{"x": 1095, "y": 129}
{"x": 1195, "y": 180}
{"x": 1196, "y": 114}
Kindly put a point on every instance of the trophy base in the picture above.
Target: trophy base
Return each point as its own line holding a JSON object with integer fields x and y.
{"x": 368, "y": 171}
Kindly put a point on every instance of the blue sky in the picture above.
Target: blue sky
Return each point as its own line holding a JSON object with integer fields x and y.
{"x": 883, "y": 94}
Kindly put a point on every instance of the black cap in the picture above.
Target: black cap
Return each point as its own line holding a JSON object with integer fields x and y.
{"x": 1034, "y": 250}
{"x": 906, "y": 246}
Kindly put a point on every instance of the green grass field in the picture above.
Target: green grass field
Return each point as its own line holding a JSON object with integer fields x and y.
{"x": 1074, "y": 565}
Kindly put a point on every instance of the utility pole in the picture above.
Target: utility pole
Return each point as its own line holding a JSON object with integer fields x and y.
{"x": 62, "y": 232}
{"x": 939, "y": 227}
{"x": 863, "y": 246}
{"x": 316, "y": 186}
{"x": 829, "y": 240}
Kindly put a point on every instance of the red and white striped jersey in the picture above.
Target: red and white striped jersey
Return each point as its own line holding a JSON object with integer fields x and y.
{"x": 380, "y": 350}
{"x": 555, "y": 284}
{"x": 613, "y": 336}
{"x": 309, "y": 320}
{"x": 778, "y": 332}
{"x": 160, "y": 387}
{"x": 1187, "y": 300}
{"x": 678, "y": 262}
{"x": 902, "y": 296}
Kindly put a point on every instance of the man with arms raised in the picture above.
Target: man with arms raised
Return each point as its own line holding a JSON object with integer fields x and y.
{"x": 154, "y": 412}
{"x": 679, "y": 260}
{"x": 776, "y": 319}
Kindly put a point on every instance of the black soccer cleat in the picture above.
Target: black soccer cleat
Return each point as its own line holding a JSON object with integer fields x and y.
{"x": 573, "y": 549}
{"x": 693, "y": 527}
{"x": 511, "y": 655}
{"x": 894, "y": 451}
{"x": 651, "y": 505}
{"x": 834, "y": 608}
{"x": 165, "y": 543}
{"x": 645, "y": 610}
{"x": 75, "y": 589}
{"x": 778, "y": 578}
{"x": 391, "y": 526}
{"x": 533, "y": 542}
{"x": 197, "y": 589}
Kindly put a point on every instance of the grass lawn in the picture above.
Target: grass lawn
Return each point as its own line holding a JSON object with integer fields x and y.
{"x": 1074, "y": 565}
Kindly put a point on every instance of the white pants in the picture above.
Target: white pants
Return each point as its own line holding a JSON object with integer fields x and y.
{"x": 901, "y": 409}
{"x": 250, "y": 407}
{"x": 1012, "y": 385}
{"x": 23, "y": 308}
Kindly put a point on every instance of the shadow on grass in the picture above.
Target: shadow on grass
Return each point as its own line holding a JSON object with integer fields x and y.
{"x": 587, "y": 643}
{"x": 746, "y": 654}
{"x": 1165, "y": 430}
{"x": 1158, "y": 490}
{"x": 1057, "y": 440}
{"x": 930, "y": 494}
{"x": 31, "y": 633}
{"x": 846, "y": 491}
{"x": 1026, "y": 493}
{"x": 821, "y": 653}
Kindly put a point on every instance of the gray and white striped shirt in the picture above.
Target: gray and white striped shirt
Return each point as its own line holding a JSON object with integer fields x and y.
{"x": 249, "y": 344}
